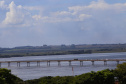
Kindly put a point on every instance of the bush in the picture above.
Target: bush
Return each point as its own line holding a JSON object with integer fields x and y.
{"x": 7, "y": 78}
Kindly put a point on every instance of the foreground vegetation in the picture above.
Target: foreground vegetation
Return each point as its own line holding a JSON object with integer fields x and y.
{"x": 7, "y": 78}
{"x": 99, "y": 77}
{"x": 61, "y": 50}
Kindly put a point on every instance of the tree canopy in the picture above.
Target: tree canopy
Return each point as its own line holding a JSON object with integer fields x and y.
{"x": 7, "y": 78}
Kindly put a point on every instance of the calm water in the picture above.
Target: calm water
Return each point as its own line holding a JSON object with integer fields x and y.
{"x": 34, "y": 72}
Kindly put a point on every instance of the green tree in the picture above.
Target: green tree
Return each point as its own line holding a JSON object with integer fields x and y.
{"x": 120, "y": 72}
{"x": 46, "y": 80}
{"x": 121, "y": 68}
{"x": 7, "y": 78}
{"x": 2, "y": 80}
{"x": 63, "y": 80}
{"x": 100, "y": 77}
{"x": 104, "y": 77}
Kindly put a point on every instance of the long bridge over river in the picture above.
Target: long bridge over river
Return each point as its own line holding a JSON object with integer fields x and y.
{"x": 59, "y": 61}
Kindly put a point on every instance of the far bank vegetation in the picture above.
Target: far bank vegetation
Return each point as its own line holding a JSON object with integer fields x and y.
{"x": 61, "y": 49}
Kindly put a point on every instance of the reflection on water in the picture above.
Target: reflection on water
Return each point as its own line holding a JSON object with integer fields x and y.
{"x": 34, "y": 72}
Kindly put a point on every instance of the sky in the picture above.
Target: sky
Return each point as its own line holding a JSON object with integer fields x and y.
{"x": 56, "y": 22}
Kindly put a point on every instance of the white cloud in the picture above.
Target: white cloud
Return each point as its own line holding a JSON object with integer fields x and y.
{"x": 19, "y": 15}
{"x": 37, "y": 17}
{"x": 46, "y": 19}
{"x": 2, "y": 5}
{"x": 16, "y": 16}
{"x": 100, "y": 5}
{"x": 61, "y": 16}
{"x": 61, "y": 13}
{"x": 82, "y": 17}
{"x": 81, "y": 13}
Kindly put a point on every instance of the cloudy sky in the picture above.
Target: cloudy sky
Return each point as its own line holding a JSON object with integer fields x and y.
{"x": 56, "y": 22}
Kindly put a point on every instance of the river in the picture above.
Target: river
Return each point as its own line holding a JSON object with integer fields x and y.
{"x": 34, "y": 72}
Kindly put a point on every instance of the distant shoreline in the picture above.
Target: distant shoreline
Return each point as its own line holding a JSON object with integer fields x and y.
{"x": 52, "y": 54}
{"x": 60, "y": 50}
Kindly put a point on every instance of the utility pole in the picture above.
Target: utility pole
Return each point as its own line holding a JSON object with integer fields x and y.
{"x": 73, "y": 71}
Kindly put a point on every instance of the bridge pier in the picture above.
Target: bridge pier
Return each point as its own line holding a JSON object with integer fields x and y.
{"x": 18, "y": 64}
{"x": 81, "y": 63}
{"x": 8, "y": 64}
{"x": 59, "y": 63}
{"x": 38, "y": 63}
{"x": 105, "y": 62}
{"x": 28, "y": 64}
{"x": 69, "y": 63}
{"x": 48, "y": 63}
{"x": 117, "y": 62}
{"x": 92, "y": 62}
{"x": 0, "y": 64}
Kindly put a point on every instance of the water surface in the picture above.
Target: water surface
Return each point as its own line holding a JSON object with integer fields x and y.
{"x": 34, "y": 72}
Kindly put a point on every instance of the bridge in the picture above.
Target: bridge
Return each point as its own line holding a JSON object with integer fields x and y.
{"x": 59, "y": 61}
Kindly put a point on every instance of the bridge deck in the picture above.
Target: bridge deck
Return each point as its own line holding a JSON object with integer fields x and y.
{"x": 64, "y": 60}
